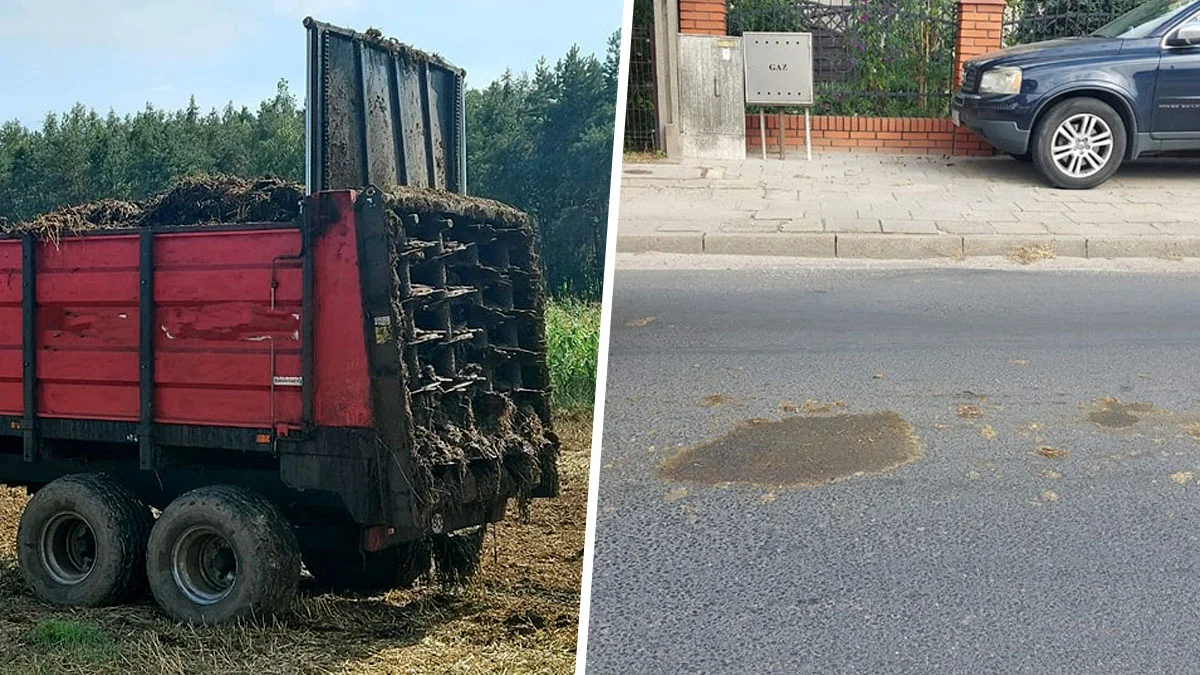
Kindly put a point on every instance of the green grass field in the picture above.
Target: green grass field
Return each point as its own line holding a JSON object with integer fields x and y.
{"x": 573, "y": 342}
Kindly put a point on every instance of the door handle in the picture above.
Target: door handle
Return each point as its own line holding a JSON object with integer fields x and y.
{"x": 716, "y": 91}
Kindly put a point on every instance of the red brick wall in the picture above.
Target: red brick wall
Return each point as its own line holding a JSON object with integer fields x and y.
{"x": 921, "y": 136}
{"x": 702, "y": 17}
{"x": 980, "y": 24}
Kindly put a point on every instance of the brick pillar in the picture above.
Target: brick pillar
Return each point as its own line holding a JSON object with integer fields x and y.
{"x": 703, "y": 17}
{"x": 980, "y": 27}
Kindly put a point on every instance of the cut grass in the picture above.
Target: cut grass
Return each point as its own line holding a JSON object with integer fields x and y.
{"x": 573, "y": 342}
{"x": 519, "y": 616}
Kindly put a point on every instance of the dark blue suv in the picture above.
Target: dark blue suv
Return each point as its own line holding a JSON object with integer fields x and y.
{"x": 1078, "y": 107}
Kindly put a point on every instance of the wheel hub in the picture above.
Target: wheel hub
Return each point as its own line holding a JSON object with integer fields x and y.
{"x": 1082, "y": 145}
{"x": 204, "y": 565}
{"x": 68, "y": 548}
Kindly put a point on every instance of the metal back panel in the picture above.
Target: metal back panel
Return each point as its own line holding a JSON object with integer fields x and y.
{"x": 381, "y": 113}
{"x": 779, "y": 68}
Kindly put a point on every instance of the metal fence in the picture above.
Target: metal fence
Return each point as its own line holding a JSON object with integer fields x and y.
{"x": 641, "y": 113}
{"x": 1033, "y": 20}
{"x": 884, "y": 58}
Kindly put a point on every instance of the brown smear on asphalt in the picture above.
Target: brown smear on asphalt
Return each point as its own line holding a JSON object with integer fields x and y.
{"x": 718, "y": 400}
{"x": 969, "y": 411}
{"x": 798, "y": 451}
{"x": 1110, "y": 413}
{"x": 1053, "y": 453}
{"x": 814, "y": 406}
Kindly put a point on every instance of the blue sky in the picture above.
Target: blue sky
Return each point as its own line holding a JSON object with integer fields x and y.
{"x": 119, "y": 54}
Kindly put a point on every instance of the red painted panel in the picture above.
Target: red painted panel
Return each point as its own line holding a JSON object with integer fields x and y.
{"x": 222, "y": 284}
{"x": 114, "y": 252}
{"x": 343, "y": 387}
{"x": 76, "y": 366}
{"x": 209, "y": 250}
{"x": 221, "y": 339}
{"x": 10, "y": 325}
{"x": 10, "y": 398}
{"x": 10, "y": 273}
{"x": 88, "y": 401}
{"x": 85, "y": 286}
{"x": 10, "y": 381}
{"x": 189, "y": 405}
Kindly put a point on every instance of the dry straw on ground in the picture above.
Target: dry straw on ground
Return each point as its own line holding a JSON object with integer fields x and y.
{"x": 1031, "y": 253}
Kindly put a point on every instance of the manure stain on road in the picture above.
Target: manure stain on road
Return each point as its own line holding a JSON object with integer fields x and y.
{"x": 798, "y": 451}
{"x": 1110, "y": 413}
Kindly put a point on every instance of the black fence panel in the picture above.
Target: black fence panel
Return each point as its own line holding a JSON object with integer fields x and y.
{"x": 1036, "y": 20}
{"x": 889, "y": 58}
{"x": 641, "y": 111}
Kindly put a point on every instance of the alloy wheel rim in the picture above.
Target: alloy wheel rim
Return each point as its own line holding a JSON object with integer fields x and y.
{"x": 68, "y": 548}
{"x": 204, "y": 565}
{"x": 1082, "y": 145}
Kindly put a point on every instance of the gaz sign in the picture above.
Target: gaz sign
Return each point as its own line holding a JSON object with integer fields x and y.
{"x": 778, "y": 68}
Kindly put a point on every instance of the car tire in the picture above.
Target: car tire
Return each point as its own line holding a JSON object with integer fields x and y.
{"x": 221, "y": 553}
{"x": 82, "y": 541}
{"x": 1079, "y": 143}
{"x": 350, "y": 569}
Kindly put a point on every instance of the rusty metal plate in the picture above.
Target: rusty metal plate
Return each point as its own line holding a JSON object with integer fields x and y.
{"x": 381, "y": 113}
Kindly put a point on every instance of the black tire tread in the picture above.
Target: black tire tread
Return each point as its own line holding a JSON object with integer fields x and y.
{"x": 131, "y": 522}
{"x": 276, "y": 547}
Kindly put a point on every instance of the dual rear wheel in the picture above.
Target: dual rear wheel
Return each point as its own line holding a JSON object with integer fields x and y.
{"x": 215, "y": 554}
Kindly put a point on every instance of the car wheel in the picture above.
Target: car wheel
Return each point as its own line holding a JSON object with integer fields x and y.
{"x": 1079, "y": 143}
{"x": 220, "y": 553}
{"x": 82, "y": 541}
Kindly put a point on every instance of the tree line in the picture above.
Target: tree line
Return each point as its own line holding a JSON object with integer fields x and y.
{"x": 541, "y": 142}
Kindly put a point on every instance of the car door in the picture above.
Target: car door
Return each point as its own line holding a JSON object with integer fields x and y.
{"x": 1177, "y": 96}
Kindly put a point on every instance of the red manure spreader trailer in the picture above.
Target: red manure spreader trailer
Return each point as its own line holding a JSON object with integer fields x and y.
{"x": 350, "y": 376}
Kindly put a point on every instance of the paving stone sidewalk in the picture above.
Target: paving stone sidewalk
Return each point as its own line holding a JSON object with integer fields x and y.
{"x": 908, "y": 206}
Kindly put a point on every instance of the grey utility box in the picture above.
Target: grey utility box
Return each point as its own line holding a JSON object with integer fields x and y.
{"x": 779, "y": 68}
{"x": 712, "y": 108}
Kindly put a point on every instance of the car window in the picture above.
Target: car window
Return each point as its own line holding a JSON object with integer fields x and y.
{"x": 1145, "y": 19}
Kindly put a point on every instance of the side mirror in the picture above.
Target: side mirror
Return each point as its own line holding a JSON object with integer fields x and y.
{"x": 1187, "y": 36}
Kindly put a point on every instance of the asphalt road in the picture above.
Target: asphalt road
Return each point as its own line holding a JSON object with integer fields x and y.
{"x": 983, "y": 555}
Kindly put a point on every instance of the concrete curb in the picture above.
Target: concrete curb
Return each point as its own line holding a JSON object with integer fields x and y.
{"x": 661, "y": 242}
{"x": 905, "y": 246}
{"x": 785, "y": 244}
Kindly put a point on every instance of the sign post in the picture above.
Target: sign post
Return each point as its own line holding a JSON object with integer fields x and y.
{"x": 779, "y": 72}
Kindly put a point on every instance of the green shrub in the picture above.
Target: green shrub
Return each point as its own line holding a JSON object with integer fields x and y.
{"x": 573, "y": 342}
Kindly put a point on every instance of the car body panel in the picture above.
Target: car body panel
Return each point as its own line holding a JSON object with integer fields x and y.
{"x": 1155, "y": 88}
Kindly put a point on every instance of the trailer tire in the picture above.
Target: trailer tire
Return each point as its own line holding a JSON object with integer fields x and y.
{"x": 398, "y": 567}
{"x": 82, "y": 541}
{"x": 221, "y": 553}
